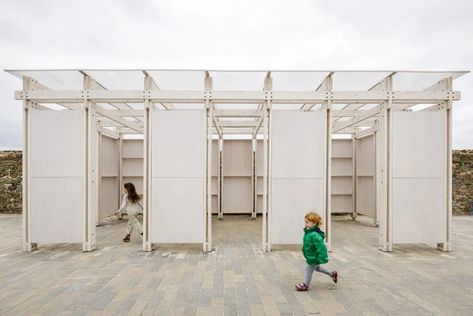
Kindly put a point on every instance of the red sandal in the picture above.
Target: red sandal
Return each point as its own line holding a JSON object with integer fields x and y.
{"x": 302, "y": 287}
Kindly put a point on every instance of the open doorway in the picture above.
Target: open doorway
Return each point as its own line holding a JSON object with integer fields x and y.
{"x": 237, "y": 192}
{"x": 121, "y": 161}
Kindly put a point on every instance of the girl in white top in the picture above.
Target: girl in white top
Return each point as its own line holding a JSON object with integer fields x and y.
{"x": 131, "y": 204}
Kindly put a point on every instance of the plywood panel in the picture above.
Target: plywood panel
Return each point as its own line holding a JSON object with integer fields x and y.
{"x": 237, "y": 195}
{"x": 178, "y": 148}
{"x": 342, "y": 185}
{"x": 109, "y": 198}
{"x": 56, "y": 210}
{"x": 109, "y": 156}
{"x": 341, "y": 204}
{"x": 342, "y": 167}
{"x": 237, "y": 158}
{"x": 57, "y": 141}
{"x": 419, "y": 148}
{"x": 418, "y": 210}
{"x": 365, "y": 196}
{"x": 178, "y": 143}
{"x": 259, "y": 158}
{"x": 132, "y": 167}
{"x": 342, "y": 148}
{"x": 132, "y": 148}
{"x": 298, "y": 144}
{"x": 292, "y": 199}
{"x": 365, "y": 156}
{"x": 177, "y": 210}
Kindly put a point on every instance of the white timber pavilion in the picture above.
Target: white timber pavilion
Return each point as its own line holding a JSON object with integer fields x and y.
{"x": 376, "y": 143}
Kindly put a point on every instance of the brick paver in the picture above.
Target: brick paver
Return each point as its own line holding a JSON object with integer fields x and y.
{"x": 235, "y": 279}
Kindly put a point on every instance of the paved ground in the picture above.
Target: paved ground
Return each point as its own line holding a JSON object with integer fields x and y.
{"x": 237, "y": 278}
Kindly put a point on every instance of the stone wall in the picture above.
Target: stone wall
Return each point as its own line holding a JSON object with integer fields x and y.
{"x": 10, "y": 182}
{"x": 462, "y": 182}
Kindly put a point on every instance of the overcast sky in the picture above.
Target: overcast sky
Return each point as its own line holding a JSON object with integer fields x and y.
{"x": 326, "y": 35}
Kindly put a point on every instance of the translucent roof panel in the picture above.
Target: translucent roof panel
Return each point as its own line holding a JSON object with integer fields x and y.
{"x": 188, "y": 106}
{"x": 54, "y": 79}
{"x": 238, "y": 80}
{"x": 297, "y": 80}
{"x": 178, "y": 80}
{"x": 119, "y": 79}
{"x": 357, "y": 81}
{"x": 411, "y": 81}
{"x": 286, "y": 106}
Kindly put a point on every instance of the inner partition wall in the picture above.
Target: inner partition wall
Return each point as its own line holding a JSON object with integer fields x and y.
{"x": 109, "y": 181}
{"x": 365, "y": 171}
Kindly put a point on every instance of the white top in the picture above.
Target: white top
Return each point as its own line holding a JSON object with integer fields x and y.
{"x": 130, "y": 207}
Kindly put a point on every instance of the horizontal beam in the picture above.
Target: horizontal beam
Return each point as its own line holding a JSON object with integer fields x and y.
{"x": 224, "y": 124}
{"x": 118, "y": 119}
{"x": 366, "y": 132}
{"x": 109, "y": 133}
{"x": 284, "y": 97}
{"x": 237, "y": 113}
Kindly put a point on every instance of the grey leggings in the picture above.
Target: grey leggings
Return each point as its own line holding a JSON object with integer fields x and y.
{"x": 309, "y": 270}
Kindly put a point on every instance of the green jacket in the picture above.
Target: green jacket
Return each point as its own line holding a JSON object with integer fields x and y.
{"x": 313, "y": 248}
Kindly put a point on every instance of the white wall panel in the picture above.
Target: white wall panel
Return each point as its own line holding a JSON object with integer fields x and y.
{"x": 292, "y": 199}
{"x": 365, "y": 176}
{"x": 298, "y": 144}
{"x": 298, "y": 172}
{"x": 178, "y": 148}
{"x": 177, "y": 214}
{"x": 418, "y": 210}
{"x": 57, "y": 144}
{"x": 57, "y": 171}
{"x": 419, "y": 171}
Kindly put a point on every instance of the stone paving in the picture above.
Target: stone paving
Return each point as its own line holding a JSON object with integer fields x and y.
{"x": 237, "y": 278}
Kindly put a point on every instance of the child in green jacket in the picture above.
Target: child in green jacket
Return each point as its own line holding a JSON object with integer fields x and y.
{"x": 314, "y": 250}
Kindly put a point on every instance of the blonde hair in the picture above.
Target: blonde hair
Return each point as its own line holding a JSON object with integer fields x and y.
{"x": 313, "y": 217}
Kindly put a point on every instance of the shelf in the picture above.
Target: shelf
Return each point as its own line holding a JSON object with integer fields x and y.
{"x": 342, "y": 175}
{"x": 109, "y": 176}
{"x": 342, "y": 194}
{"x": 342, "y": 157}
{"x": 132, "y": 176}
{"x": 366, "y": 176}
{"x": 133, "y": 157}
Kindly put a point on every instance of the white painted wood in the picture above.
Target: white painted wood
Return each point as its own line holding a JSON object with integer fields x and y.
{"x": 57, "y": 138}
{"x": 418, "y": 210}
{"x": 177, "y": 210}
{"x": 365, "y": 176}
{"x": 419, "y": 144}
{"x": 298, "y": 172}
{"x": 419, "y": 176}
{"x": 299, "y": 151}
{"x": 132, "y": 148}
{"x": 341, "y": 203}
{"x": 178, "y": 150}
{"x": 237, "y": 192}
{"x": 108, "y": 197}
{"x": 342, "y": 176}
{"x": 179, "y": 145}
{"x": 292, "y": 199}
{"x": 57, "y": 171}
{"x": 237, "y": 175}
{"x": 56, "y": 210}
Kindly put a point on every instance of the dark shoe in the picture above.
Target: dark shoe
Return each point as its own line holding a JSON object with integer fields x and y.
{"x": 141, "y": 234}
{"x": 302, "y": 287}
{"x": 127, "y": 238}
{"x": 335, "y": 276}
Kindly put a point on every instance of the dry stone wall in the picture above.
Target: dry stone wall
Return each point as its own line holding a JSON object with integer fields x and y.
{"x": 11, "y": 171}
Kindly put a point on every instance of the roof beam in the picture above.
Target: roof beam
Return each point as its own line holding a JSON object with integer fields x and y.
{"x": 154, "y": 86}
{"x": 325, "y": 85}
